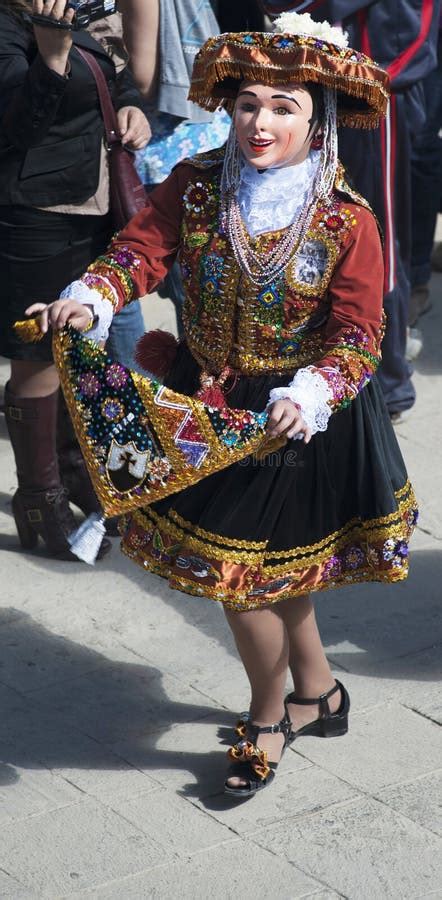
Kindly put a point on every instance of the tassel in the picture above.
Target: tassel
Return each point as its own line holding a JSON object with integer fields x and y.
{"x": 86, "y": 541}
{"x": 155, "y": 352}
{"x": 28, "y": 330}
{"x": 211, "y": 391}
{"x": 212, "y": 395}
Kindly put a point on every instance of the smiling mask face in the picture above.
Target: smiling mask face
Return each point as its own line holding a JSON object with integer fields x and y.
{"x": 273, "y": 124}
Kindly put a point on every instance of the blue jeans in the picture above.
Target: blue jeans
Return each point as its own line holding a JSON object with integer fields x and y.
{"x": 126, "y": 329}
{"x": 427, "y": 177}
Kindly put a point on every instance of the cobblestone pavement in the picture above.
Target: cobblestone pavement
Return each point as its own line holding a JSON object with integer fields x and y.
{"x": 116, "y": 694}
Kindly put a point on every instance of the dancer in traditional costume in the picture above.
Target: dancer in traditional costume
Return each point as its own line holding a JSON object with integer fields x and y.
{"x": 282, "y": 267}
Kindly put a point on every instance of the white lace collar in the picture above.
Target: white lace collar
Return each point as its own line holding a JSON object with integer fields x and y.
{"x": 272, "y": 199}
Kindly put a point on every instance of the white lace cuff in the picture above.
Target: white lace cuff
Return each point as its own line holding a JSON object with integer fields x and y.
{"x": 312, "y": 393}
{"x": 102, "y": 309}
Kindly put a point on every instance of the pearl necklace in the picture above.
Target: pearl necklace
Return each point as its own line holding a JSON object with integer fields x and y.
{"x": 263, "y": 267}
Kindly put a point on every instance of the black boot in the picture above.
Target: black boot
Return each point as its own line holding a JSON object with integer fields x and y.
{"x": 40, "y": 504}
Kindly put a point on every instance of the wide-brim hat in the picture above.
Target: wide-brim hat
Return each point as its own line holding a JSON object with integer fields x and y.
{"x": 226, "y": 60}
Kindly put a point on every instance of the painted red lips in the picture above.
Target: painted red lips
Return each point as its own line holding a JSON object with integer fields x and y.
{"x": 260, "y": 145}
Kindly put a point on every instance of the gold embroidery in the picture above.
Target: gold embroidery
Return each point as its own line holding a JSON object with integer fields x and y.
{"x": 375, "y": 550}
{"x": 228, "y": 319}
{"x": 222, "y": 541}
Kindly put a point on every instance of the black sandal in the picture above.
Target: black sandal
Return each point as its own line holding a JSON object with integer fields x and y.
{"x": 328, "y": 724}
{"x": 251, "y": 763}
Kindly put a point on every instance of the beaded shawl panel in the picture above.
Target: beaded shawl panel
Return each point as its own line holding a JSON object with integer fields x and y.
{"x": 140, "y": 440}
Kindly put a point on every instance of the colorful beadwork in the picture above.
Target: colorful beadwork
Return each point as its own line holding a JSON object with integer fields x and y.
{"x": 281, "y": 326}
{"x": 206, "y": 564}
{"x": 140, "y": 440}
{"x": 119, "y": 261}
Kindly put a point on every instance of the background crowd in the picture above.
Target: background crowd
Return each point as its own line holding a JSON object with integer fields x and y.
{"x": 55, "y": 209}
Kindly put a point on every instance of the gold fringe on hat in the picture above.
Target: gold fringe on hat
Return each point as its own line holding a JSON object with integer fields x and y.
{"x": 227, "y": 59}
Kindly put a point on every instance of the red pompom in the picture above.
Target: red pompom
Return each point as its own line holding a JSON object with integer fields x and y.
{"x": 156, "y": 351}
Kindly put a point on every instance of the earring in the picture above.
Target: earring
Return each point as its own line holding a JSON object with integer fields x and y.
{"x": 317, "y": 142}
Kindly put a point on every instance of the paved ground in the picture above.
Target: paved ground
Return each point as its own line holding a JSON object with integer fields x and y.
{"x": 115, "y": 691}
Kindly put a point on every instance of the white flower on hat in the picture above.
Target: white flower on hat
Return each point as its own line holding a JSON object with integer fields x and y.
{"x": 303, "y": 24}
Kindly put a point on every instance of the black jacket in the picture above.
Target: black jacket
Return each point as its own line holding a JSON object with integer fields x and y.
{"x": 51, "y": 127}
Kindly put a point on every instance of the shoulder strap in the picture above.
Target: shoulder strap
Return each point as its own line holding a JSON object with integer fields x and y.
{"x": 107, "y": 107}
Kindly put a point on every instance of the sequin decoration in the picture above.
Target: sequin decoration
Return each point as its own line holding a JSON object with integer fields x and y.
{"x": 245, "y": 575}
{"x": 119, "y": 261}
{"x": 116, "y": 376}
{"x": 228, "y": 319}
{"x": 112, "y": 410}
{"x": 142, "y": 441}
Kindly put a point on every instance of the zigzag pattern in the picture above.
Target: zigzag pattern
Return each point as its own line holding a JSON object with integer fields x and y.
{"x": 186, "y": 435}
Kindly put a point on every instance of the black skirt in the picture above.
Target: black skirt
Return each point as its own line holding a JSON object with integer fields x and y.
{"x": 40, "y": 253}
{"x": 310, "y": 516}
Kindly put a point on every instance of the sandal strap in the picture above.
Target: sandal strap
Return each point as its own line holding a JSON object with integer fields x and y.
{"x": 322, "y": 700}
{"x": 282, "y": 727}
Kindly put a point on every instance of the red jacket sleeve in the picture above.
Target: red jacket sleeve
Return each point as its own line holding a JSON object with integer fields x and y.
{"x": 140, "y": 256}
{"x": 355, "y": 326}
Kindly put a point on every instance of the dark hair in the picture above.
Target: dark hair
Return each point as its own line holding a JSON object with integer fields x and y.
{"x": 316, "y": 92}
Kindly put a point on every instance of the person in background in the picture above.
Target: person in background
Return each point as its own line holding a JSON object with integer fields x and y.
{"x": 162, "y": 38}
{"x": 426, "y": 170}
{"x": 234, "y": 16}
{"x": 125, "y": 333}
{"x": 54, "y": 220}
{"x": 402, "y": 36}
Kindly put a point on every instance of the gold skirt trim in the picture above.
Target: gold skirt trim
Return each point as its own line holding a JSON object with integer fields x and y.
{"x": 245, "y": 575}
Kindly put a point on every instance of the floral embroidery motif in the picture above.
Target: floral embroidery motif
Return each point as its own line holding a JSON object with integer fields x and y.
{"x": 353, "y": 367}
{"x": 116, "y": 376}
{"x": 112, "y": 410}
{"x": 285, "y": 42}
{"x": 198, "y": 197}
{"x": 88, "y": 385}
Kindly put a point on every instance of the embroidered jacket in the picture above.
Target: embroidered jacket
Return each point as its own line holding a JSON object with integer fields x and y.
{"x": 322, "y": 316}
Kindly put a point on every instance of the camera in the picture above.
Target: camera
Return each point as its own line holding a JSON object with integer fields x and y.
{"x": 86, "y": 11}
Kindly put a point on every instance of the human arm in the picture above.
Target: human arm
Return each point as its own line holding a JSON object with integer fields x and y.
{"x": 127, "y": 101}
{"x": 141, "y": 22}
{"x": 136, "y": 261}
{"x": 31, "y": 89}
{"x": 353, "y": 333}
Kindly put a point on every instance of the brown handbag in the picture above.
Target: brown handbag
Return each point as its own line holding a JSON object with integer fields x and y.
{"x": 127, "y": 192}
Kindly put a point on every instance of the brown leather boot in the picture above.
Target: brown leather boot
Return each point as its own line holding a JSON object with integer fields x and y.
{"x": 73, "y": 470}
{"x": 40, "y": 504}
